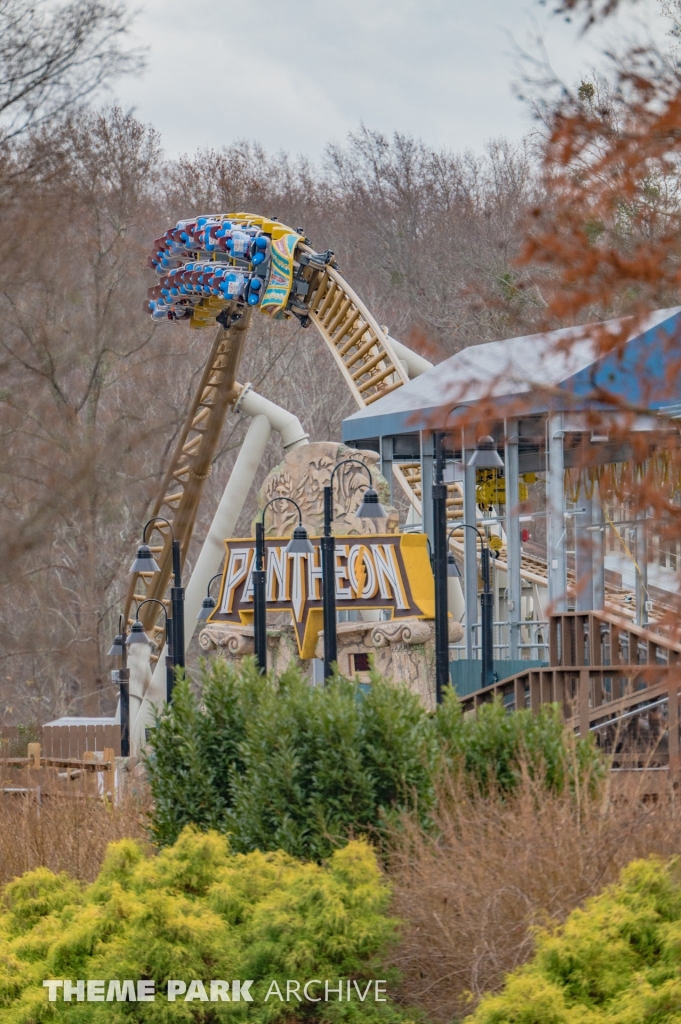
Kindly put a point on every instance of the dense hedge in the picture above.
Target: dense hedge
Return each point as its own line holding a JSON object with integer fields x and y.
{"x": 198, "y": 912}
{"x": 282, "y": 765}
{"x": 614, "y": 962}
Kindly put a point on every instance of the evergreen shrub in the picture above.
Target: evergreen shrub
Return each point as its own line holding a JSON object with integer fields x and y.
{"x": 614, "y": 962}
{"x": 282, "y": 765}
{"x": 198, "y": 911}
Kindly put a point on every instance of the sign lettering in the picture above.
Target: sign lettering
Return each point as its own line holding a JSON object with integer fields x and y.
{"x": 389, "y": 571}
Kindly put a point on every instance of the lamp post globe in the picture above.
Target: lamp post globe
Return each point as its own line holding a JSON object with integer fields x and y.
{"x": 137, "y": 635}
{"x": 209, "y": 604}
{"x": 145, "y": 561}
{"x": 117, "y": 650}
{"x": 371, "y": 507}
{"x": 452, "y": 567}
{"x": 207, "y": 609}
{"x": 486, "y": 455}
{"x": 300, "y": 543}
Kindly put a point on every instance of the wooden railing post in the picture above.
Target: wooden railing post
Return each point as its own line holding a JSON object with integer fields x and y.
{"x": 109, "y": 778}
{"x": 554, "y": 626}
{"x": 614, "y": 645}
{"x": 535, "y": 690}
{"x": 558, "y": 694}
{"x": 583, "y": 701}
{"x": 673, "y": 723}
{"x": 34, "y": 753}
{"x": 568, "y": 640}
{"x": 595, "y": 653}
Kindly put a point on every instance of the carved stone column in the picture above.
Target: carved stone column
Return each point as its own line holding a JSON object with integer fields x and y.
{"x": 403, "y": 651}
{"x": 233, "y": 642}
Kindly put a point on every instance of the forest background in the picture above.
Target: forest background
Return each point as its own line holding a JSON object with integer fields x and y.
{"x": 93, "y": 394}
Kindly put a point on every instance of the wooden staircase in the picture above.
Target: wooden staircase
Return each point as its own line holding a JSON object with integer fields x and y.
{"x": 604, "y": 672}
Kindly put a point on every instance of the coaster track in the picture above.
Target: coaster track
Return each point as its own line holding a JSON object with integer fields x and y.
{"x": 214, "y": 272}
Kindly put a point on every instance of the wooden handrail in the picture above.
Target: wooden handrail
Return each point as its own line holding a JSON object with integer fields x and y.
{"x": 57, "y": 762}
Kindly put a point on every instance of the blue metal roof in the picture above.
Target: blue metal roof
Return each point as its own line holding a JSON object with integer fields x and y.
{"x": 557, "y": 370}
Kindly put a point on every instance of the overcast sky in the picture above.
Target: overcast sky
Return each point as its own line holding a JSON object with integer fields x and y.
{"x": 296, "y": 74}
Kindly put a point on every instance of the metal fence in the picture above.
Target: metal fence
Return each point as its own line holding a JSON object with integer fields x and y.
{"x": 533, "y": 642}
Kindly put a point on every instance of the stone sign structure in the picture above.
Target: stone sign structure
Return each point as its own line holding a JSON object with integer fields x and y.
{"x": 401, "y": 649}
{"x": 303, "y": 475}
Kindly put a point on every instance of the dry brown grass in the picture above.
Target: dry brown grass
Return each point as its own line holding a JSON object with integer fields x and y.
{"x": 64, "y": 834}
{"x": 470, "y": 896}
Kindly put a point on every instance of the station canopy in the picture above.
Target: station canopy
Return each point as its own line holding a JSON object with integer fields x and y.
{"x": 554, "y": 371}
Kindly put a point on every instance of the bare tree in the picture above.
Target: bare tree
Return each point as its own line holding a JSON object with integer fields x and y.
{"x": 94, "y": 393}
{"x": 53, "y": 58}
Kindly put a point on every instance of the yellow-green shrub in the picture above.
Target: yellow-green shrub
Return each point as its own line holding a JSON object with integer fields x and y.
{"x": 614, "y": 962}
{"x": 196, "y": 911}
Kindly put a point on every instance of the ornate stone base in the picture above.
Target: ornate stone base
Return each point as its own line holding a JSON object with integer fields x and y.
{"x": 403, "y": 650}
{"x": 233, "y": 642}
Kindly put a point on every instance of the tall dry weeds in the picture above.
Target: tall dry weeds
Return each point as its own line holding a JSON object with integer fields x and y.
{"x": 64, "y": 834}
{"x": 470, "y": 893}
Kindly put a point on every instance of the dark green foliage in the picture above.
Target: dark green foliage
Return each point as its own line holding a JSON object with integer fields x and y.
{"x": 282, "y": 765}
{"x": 495, "y": 745}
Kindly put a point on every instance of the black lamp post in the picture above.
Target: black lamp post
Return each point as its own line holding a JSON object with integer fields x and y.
{"x": 138, "y": 636}
{"x": 121, "y": 676}
{"x": 486, "y": 609}
{"x": 486, "y": 456}
{"x": 440, "y": 569}
{"x": 370, "y": 508}
{"x": 145, "y": 562}
{"x": 208, "y": 606}
{"x": 299, "y": 544}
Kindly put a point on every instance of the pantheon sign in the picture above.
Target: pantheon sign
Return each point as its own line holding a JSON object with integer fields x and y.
{"x": 386, "y": 571}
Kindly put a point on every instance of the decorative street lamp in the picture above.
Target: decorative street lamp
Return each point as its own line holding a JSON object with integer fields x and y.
{"x": 146, "y": 563}
{"x": 486, "y": 609}
{"x": 121, "y": 676}
{"x": 138, "y": 636}
{"x": 370, "y": 508}
{"x": 208, "y": 605}
{"x": 298, "y": 545}
{"x": 486, "y": 455}
{"x": 440, "y": 571}
{"x": 452, "y": 568}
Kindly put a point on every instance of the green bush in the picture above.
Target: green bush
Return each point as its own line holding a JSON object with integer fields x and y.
{"x": 285, "y": 765}
{"x": 495, "y": 746}
{"x": 282, "y": 765}
{"x": 614, "y": 962}
{"x": 197, "y": 911}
